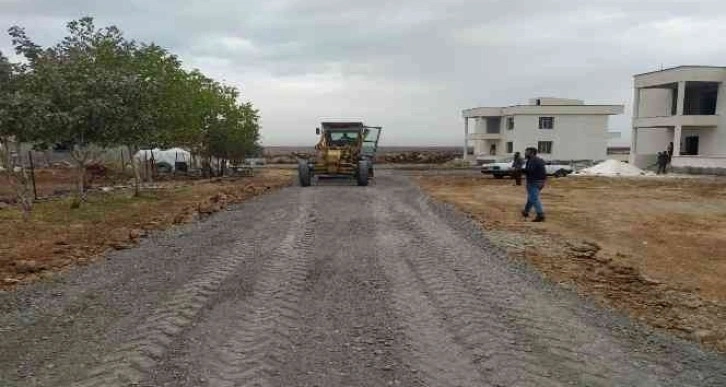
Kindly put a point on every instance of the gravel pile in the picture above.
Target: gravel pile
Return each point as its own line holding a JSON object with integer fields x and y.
{"x": 613, "y": 168}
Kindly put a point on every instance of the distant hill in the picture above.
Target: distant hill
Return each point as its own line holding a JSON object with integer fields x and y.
{"x": 284, "y": 150}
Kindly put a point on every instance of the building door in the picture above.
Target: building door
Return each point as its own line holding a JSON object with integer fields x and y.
{"x": 691, "y": 145}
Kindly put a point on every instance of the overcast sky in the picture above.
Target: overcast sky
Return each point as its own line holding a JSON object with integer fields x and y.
{"x": 408, "y": 65}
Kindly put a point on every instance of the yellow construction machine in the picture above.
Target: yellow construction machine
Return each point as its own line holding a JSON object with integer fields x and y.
{"x": 345, "y": 149}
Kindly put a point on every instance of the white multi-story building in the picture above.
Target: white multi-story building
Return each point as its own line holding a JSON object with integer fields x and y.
{"x": 681, "y": 106}
{"x": 561, "y": 129}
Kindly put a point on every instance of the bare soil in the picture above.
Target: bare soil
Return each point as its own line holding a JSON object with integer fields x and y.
{"x": 61, "y": 181}
{"x": 329, "y": 285}
{"x": 653, "y": 247}
{"x": 58, "y": 236}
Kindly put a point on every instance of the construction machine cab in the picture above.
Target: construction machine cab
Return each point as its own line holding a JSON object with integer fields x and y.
{"x": 344, "y": 149}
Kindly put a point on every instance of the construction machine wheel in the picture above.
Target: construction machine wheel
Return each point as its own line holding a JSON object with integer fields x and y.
{"x": 303, "y": 170}
{"x": 364, "y": 169}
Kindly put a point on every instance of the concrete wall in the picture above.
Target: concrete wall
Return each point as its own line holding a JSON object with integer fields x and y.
{"x": 653, "y": 140}
{"x": 719, "y": 136}
{"x": 707, "y": 140}
{"x": 580, "y": 137}
{"x": 700, "y": 165}
{"x": 480, "y": 125}
{"x": 655, "y": 102}
{"x": 699, "y": 162}
{"x": 682, "y": 73}
{"x": 643, "y": 161}
{"x": 563, "y": 110}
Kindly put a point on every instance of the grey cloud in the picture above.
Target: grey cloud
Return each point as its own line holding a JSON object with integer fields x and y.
{"x": 410, "y": 65}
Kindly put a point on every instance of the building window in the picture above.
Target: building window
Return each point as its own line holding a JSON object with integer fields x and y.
{"x": 546, "y": 122}
{"x": 544, "y": 147}
{"x": 510, "y": 147}
{"x": 510, "y": 123}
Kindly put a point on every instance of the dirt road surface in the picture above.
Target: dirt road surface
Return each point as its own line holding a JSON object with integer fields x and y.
{"x": 328, "y": 286}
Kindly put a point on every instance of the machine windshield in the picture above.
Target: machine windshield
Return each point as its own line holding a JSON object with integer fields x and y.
{"x": 344, "y": 136}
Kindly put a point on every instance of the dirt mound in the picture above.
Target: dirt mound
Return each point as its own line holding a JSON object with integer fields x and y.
{"x": 625, "y": 287}
{"x": 415, "y": 157}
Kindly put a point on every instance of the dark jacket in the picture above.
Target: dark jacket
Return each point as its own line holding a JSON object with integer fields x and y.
{"x": 662, "y": 158}
{"x": 517, "y": 163}
{"x": 535, "y": 170}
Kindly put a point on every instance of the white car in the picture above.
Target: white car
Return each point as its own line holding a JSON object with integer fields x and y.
{"x": 504, "y": 168}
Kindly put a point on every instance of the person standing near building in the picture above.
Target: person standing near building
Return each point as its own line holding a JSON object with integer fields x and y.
{"x": 517, "y": 165}
{"x": 662, "y": 161}
{"x": 536, "y": 174}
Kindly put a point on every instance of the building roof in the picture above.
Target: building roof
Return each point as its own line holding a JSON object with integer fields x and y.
{"x": 543, "y": 109}
{"x": 682, "y": 67}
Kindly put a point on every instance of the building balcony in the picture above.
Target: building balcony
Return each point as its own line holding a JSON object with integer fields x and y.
{"x": 672, "y": 121}
{"x": 482, "y": 112}
{"x": 485, "y": 136}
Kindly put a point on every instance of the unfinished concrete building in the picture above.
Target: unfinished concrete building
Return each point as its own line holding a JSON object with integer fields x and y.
{"x": 681, "y": 108}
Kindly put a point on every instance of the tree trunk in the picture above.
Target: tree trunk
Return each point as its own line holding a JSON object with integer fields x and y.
{"x": 79, "y": 156}
{"x": 81, "y": 182}
{"x": 207, "y": 170}
{"x": 123, "y": 160}
{"x": 5, "y": 153}
{"x": 24, "y": 197}
{"x": 46, "y": 155}
{"x": 135, "y": 169}
{"x": 19, "y": 181}
{"x": 152, "y": 167}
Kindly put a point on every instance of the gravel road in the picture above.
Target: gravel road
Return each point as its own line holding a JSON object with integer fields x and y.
{"x": 327, "y": 286}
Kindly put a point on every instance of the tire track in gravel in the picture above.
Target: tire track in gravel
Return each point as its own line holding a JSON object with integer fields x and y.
{"x": 127, "y": 364}
{"x": 250, "y": 349}
{"x": 130, "y": 362}
{"x": 95, "y": 309}
{"x": 434, "y": 353}
{"x": 348, "y": 333}
{"x": 519, "y": 342}
{"x": 498, "y": 350}
{"x": 519, "y": 334}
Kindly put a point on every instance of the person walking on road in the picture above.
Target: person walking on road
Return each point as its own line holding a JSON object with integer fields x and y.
{"x": 517, "y": 165}
{"x": 536, "y": 174}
